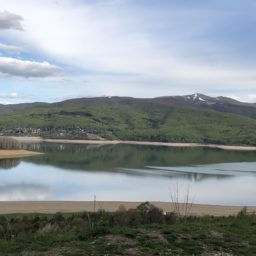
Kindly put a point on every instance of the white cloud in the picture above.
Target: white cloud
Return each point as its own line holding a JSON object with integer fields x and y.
{"x": 105, "y": 38}
{"x": 8, "y": 96}
{"x": 10, "y": 20}
{"x": 23, "y": 191}
{"x": 245, "y": 97}
{"x": 25, "y": 68}
{"x": 112, "y": 37}
{"x": 10, "y": 48}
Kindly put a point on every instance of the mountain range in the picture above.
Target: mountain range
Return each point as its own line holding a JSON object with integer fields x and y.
{"x": 189, "y": 118}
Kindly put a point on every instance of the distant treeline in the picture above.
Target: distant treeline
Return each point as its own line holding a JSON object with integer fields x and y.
{"x": 9, "y": 143}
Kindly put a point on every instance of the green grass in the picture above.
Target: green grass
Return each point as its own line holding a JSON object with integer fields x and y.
{"x": 142, "y": 231}
{"x": 150, "y": 122}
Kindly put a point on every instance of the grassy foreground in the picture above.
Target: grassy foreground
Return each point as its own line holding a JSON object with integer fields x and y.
{"x": 145, "y": 230}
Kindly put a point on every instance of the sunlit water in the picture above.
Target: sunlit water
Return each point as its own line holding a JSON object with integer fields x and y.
{"x": 130, "y": 173}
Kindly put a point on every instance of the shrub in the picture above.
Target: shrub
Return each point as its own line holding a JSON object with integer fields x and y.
{"x": 242, "y": 213}
{"x": 171, "y": 218}
{"x": 58, "y": 218}
{"x": 134, "y": 218}
{"x": 155, "y": 215}
{"x": 9, "y": 143}
{"x": 150, "y": 214}
{"x": 2, "y": 231}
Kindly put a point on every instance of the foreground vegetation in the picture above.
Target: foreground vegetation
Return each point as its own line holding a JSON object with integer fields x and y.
{"x": 130, "y": 120}
{"x": 142, "y": 231}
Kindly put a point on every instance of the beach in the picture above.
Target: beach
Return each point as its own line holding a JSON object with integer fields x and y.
{"x": 50, "y": 207}
{"x": 16, "y": 153}
{"x": 146, "y": 143}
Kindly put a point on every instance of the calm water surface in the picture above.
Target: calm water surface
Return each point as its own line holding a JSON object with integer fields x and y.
{"x": 130, "y": 173}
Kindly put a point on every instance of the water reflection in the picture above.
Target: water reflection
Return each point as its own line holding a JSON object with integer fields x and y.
{"x": 156, "y": 172}
{"x": 114, "y": 157}
{"x": 130, "y": 173}
{"x": 24, "y": 191}
{"x": 38, "y": 182}
{"x": 9, "y": 163}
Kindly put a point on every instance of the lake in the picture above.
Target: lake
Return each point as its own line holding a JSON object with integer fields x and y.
{"x": 130, "y": 173}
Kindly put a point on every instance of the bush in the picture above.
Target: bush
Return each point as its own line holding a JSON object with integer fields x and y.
{"x": 2, "y": 231}
{"x": 242, "y": 213}
{"x": 150, "y": 214}
{"x": 58, "y": 218}
{"x": 9, "y": 143}
{"x": 155, "y": 215}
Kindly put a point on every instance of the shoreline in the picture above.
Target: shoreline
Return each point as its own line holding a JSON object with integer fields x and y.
{"x": 16, "y": 153}
{"x": 146, "y": 143}
{"x": 51, "y": 207}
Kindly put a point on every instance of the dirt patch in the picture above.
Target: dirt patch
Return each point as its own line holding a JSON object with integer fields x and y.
{"x": 156, "y": 235}
{"x": 48, "y": 228}
{"x": 132, "y": 251}
{"x": 63, "y": 251}
{"x": 218, "y": 254}
{"x": 118, "y": 239}
{"x": 215, "y": 234}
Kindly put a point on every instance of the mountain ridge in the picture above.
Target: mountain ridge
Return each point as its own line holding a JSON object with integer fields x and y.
{"x": 195, "y": 97}
{"x": 197, "y": 100}
{"x": 189, "y": 118}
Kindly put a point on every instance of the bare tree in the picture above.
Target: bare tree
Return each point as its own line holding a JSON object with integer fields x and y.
{"x": 9, "y": 143}
{"x": 181, "y": 205}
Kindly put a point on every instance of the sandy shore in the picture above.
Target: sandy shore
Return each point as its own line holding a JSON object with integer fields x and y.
{"x": 148, "y": 143}
{"x": 78, "y": 206}
{"x": 5, "y": 154}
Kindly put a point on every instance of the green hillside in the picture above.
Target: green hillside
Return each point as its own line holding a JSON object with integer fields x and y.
{"x": 130, "y": 120}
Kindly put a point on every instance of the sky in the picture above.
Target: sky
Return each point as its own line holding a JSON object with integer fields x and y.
{"x": 51, "y": 50}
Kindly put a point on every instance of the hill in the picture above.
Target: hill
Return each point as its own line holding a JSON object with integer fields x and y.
{"x": 190, "y": 118}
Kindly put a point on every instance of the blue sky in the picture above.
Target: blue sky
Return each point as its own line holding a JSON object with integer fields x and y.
{"x": 52, "y": 50}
